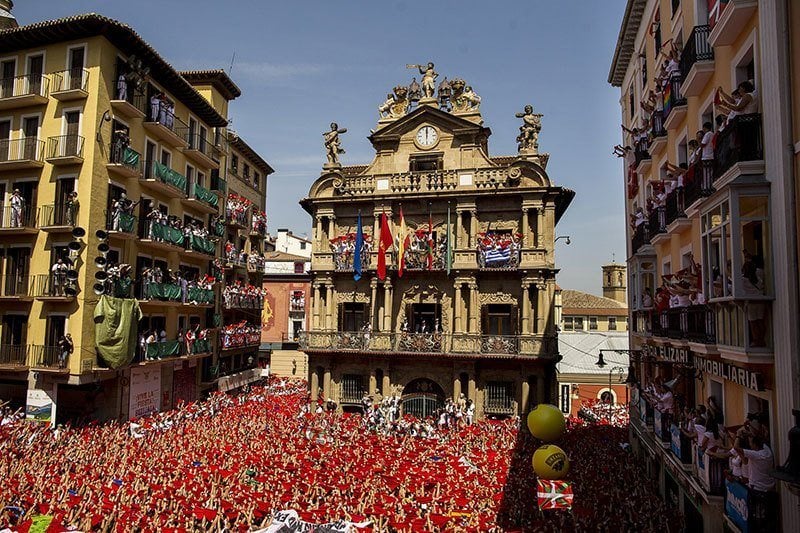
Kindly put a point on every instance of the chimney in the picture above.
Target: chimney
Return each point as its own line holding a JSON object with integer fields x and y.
{"x": 7, "y": 20}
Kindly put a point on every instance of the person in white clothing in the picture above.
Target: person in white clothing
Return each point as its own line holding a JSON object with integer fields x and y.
{"x": 759, "y": 461}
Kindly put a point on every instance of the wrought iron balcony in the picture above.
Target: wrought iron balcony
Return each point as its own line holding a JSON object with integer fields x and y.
{"x": 694, "y": 323}
{"x": 658, "y": 129}
{"x": 19, "y": 154}
{"x": 165, "y": 125}
{"x": 15, "y": 286}
{"x": 202, "y": 150}
{"x": 54, "y": 286}
{"x": 14, "y": 356}
{"x": 641, "y": 236}
{"x": 673, "y": 97}
{"x": 23, "y": 91}
{"x": 696, "y": 62}
{"x": 124, "y": 160}
{"x": 62, "y": 216}
{"x": 427, "y": 343}
{"x": 674, "y": 206}
{"x": 657, "y": 221}
{"x": 15, "y": 219}
{"x": 741, "y": 140}
{"x": 48, "y": 357}
{"x": 65, "y": 150}
{"x": 70, "y": 84}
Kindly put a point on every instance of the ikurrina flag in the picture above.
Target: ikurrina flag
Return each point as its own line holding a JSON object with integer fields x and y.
{"x": 554, "y": 494}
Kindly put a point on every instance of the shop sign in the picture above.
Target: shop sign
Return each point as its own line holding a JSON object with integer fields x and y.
{"x": 736, "y": 504}
{"x": 667, "y": 353}
{"x": 41, "y": 405}
{"x": 735, "y": 374}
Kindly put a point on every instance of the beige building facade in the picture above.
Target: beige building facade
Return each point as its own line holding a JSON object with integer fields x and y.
{"x": 472, "y": 312}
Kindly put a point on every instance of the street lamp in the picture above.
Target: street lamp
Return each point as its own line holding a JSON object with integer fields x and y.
{"x": 567, "y": 241}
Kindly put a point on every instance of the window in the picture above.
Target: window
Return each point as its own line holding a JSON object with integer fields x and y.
{"x": 631, "y": 103}
{"x": 612, "y": 323}
{"x": 201, "y": 179}
{"x": 499, "y": 397}
{"x": 246, "y": 172}
{"x": 302, "y": 245}
{"x": 189, "y": 174}
{"x": 299, "y": 268}
{"x": 166, "y": 158}
{"x": 234, "y": 164}
{"x": 352, "y": 316}
{"x": 568, "y": 324}
{"x": 352, "y": 387}
{"x": 256, "y": 179}
{"x": 499, "y": 319}
{"x": 592, "y": 323}
{"x": 565, "y": 403}
{"x": 422, "y": 163}
{"x": 578, "y": 323}
{"x": 644, "y": 69}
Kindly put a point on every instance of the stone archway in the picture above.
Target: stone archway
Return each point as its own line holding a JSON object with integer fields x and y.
{"x": 422, "y": 397}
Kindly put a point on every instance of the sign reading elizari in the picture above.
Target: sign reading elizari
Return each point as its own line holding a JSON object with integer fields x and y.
{"x": 736, "y": 374}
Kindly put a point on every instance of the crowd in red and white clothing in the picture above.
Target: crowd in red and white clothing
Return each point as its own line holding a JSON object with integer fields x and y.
{"x": 259, "y": 222}
{"x": 230, "y": 462}
{"x": 241, "y": 295}
{"x": 240, "y": 334}
{"x": 236, "y": 209}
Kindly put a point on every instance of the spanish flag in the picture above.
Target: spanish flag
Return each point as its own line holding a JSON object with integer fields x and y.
{"x": 402, "y": 244}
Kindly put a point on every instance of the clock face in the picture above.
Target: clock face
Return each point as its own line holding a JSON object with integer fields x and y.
{"x": 427, "y": 136}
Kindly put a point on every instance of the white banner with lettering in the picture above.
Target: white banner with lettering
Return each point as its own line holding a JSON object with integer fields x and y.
{"x": 289, "y": 521}
{"x": 145, "y": 391}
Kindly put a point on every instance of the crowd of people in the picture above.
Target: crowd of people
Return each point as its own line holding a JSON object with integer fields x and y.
{"x": 344, "y": 249}
{"x": 192, "y": 228}
{"x": 185, "y": 341}
{"x": 240, "y": 334}
{"x": 259, "y": 222}
{"x": 231, "y": 462}
{"x": 384, "y": 417}
{"x": 236, "y": 209}
{"x": 242, "y": 295}
{"x": 499, "y": 249}
{"x": 154, "y": 275}
{"x": 162, "y": 110}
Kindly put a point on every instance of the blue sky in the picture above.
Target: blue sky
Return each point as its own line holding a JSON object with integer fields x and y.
{"x": 303, "y": 64}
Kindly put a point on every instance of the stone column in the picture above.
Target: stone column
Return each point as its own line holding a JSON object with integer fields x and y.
{"x": 372, "y": 382}
{"x": 316, "y": 307}
{"x": 473, "y": 307}
{"x": 526, "y": 308}
{"x": 331, "y": 226}
{"x": 456, "y": 387}
{"x": 471, "y": 390}
{"x": 373, "y": 285}
{"x": 457, "y": 232}
{"x": 387, "y": 384}
{"x": 540, "y": 311}
{"x": 458, "y": 302}
{"x": 318, "y": 236}
{"x": 525, "y": 230}
{"x": 473, "y": 228}
{"x": 376, "y": 228}
{"x": 387, "y": 306}
{"x": 326, "y": 385}
{"x": 314, "y": 389}
{"x": 330, "y": 297}
{"x": 526, "y": 391}
{"x": 540, "y": 226}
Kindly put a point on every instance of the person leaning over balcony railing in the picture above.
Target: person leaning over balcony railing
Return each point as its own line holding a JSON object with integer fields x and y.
{"x": 59, "y": 275}
{"x": 742, "y": 101}
{"x": 65, "y": 349}
{"x": 760, "y": 461}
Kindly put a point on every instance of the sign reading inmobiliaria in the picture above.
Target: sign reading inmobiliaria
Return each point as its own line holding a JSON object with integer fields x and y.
{"x": 735, "y": 374}
{"x": 288, "y": 521}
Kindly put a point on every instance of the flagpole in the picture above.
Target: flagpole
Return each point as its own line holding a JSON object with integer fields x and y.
{"x": 449, "y": 252}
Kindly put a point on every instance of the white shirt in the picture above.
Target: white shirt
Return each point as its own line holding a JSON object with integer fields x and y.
{"x": 708, "y": 149}
{"x": 760, "y": 465}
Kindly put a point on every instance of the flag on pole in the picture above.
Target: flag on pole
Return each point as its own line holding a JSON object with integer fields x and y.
{"x": 553, "y": 494}
{"x": 430, "y": 241}
{"x": 402, "y": 244}
{"x": 357, "y": 252}
{"x": 384, "y": 244}
{"x": 448, "y": 260}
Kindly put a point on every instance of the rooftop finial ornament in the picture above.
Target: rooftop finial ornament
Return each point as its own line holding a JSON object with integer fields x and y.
{"x": 528, "y": 138}
{"x": 332, "y": 146}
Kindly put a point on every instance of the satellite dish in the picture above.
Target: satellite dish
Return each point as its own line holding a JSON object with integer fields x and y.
{"x": 100, "y": 262}
{"x": 99, "y": 288}
{"x": 78, "y": 232}
{"x": 101, "y": 234}
{"x": 103, "y": 247}
{"x": 72, "y": 275}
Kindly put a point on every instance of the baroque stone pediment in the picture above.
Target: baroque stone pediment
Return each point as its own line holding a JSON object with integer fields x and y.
{"x": 426, "y": 114}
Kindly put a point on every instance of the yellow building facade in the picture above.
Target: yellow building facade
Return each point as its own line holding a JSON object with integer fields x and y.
{"x": 472, "y": 311}
{"x": 712, "y": 239}
{"x": 90, "y": 112}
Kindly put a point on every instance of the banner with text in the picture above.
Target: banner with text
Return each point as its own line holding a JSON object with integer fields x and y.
{"x": 145, "y": 391}
{"x": 289, "y": 521}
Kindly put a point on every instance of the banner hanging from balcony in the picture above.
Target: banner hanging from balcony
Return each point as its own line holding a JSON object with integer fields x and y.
{"x": 344, "y": 251}
{"x": 499, "y": 249}
{"x": 115, "y": 327}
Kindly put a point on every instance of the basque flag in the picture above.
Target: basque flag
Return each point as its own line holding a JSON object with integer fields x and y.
{"x": 497, "y": 255}
{"x": 554, "y": 494}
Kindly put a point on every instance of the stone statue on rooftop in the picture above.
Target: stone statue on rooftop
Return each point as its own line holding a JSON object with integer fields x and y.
{"x": 428, "y": 78}
{"x": 332, "y": 145}
{"x": 463, "y": 98}
{"x": 528, "y": 138}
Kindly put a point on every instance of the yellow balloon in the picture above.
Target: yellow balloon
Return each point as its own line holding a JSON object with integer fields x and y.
{"x": 546, "y": 422}
{"x": 550, "y": 462}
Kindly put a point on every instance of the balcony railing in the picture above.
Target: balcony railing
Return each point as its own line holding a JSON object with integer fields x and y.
{"x": 657, "y": 221}
{"x": 697, "y": 48}
{"x": 12, "y": 285}
{"x": 121, "y": 222}
{"x": 163, "y": 233}
{"x": 164, "y": 174}
{"x": 641, "y": 151}
{"x": 695, "y": 323}
{"x": 60, "y": 214}
{"x": 750, "y": 510}
{"x": 12, "y": 217}
{"x": 502, "y": 345}
{"x": 53, "y": 285}
{"x": 674, "y": 206}
{"x": 27, "y": 85}
{"x": 203, "y": 145}
{"x": 709, "y": 471}
{"x": 14, "y": 354}
{"x": 741, "y": 140}
{"x": 202, "y": 245}
{"x": 125, "y": 92}
{"x": 641, "y": 236}
{"x": 48, "y": 357}
{"x": 697, "y": 182}
{"x": 161, "y": 115}
{"x": 643, "y": 322}
{"x": 672, "y": 95}
{"x": 24, "y": 149}
{"x": 219, "y": 184}
{"x": 239, "y": 340}
{"x": 297, "y": 306}
{"x": 497, "y": 255}
{"x": 122, "y": 154}
{"x": 202, "y": 194}
{"x": 658, "y": 129}
{"x": 234, "y": 300}
{"x": 76, "y": 79}
{"x": 64, "y": 146}
{"x": 163, "y": 350}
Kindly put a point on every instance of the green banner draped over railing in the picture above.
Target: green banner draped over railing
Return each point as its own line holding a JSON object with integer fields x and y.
{"x": 163, "y": 349}
{"x": 127, "y": 222}
{"x": 199, "y": 244}
{"x": 201, "y": 346}
{"x": 169, "y": 176}
{"x": 130, "y": 157}
{"x": 122, "y": 288}
{"x": 162, "y": 291}
{"x": 168, "y": 233}
{"x": 202, "y": 296}
{"x": 219, "y": 229}
{"x": 204, "y": 195}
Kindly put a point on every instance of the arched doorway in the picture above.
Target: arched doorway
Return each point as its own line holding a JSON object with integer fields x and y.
{"x": 422, "y": 397}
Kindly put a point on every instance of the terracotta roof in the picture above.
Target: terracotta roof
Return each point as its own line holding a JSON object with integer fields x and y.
{"x": 217, "y": 78}
{"x": 123, "y": 37}
{"x": 583, "y": 300}
{"x": 239, "y": 144}
{"x": 283, "y": 256}
{"x": 600, "y": 311}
